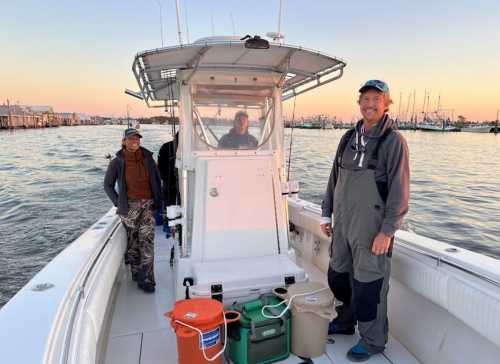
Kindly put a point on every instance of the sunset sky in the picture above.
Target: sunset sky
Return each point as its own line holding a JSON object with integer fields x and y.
{"x": 77, "y": 55}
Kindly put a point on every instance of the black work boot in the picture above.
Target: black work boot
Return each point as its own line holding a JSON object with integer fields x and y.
{"x": 144, "y": 283}
{"x": 344, "y": 323}
{"x": 146, "y": 286}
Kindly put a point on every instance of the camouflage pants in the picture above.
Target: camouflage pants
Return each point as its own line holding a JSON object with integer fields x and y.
{"x": 140, "y": 226}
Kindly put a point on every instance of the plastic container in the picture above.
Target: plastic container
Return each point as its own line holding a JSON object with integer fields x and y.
{"x": 236, "y": 284}
{"x": 200, "y": 326}
{"x": 312, "y": 310}
{"x": 260, "y": 340}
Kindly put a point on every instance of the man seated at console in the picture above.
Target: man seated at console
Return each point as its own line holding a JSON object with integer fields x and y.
{"x": 238, "y": 137}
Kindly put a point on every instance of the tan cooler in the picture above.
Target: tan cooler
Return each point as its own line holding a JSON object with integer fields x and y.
{"x": 311, "y": 315}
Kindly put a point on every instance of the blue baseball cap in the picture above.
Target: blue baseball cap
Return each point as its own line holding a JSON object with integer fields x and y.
{"x": 131, "y": 132}
{"x": 375, "y": 84}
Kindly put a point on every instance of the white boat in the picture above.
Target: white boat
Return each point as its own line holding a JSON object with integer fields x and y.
{"x": 479, "y": 129}
{"x": 436, "y": 127}
{"x": 240, "y": 226}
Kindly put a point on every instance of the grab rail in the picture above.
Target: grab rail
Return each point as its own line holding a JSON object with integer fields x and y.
{"x": 314, "y": 208}
{"x": 440, "y": 259}
{"x": 80, "y": 293}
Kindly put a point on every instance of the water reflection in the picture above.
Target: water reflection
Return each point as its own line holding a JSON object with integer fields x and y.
{"x": 51, "y": 188}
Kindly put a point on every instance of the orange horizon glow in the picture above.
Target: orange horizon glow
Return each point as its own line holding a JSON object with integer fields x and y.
{"x": 78, "y": 58}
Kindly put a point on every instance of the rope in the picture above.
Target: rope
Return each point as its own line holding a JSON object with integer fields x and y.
{"x": 289, "y": 303}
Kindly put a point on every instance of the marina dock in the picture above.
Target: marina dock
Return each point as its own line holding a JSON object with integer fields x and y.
{"x": 28, "y": 117}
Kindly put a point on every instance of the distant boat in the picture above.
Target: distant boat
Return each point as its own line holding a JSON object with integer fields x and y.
{"x": 132, "y": 123}
{"x": 436, "y": 127}
{"x": 308, "y": 125}
{"x": 437, "y": 124}
{"x": 479, "y": 129}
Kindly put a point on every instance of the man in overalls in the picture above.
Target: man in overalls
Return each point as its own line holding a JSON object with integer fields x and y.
{"x": 368, "y": 194}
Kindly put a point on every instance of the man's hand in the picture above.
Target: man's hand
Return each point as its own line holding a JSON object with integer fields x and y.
{"x": 381, "y": 244}
{"x": 326, "y": 229}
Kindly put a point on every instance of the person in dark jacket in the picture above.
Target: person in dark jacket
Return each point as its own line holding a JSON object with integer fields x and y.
{"x": 168, "y": 171}
{"x": 137, "y": 199}
{"x": 238, "y": 137}
{"x": 368, "y": 193}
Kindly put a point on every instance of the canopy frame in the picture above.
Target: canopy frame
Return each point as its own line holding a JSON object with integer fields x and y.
{"x": 301, "y": 69}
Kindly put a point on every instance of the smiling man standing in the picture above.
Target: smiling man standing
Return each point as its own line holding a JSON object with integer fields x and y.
{"x": 368, "y": 194}
{"x": 139, "y": 195}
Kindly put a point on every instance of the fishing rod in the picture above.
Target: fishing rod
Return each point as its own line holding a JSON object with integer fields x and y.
{"x": 291, "y": 140}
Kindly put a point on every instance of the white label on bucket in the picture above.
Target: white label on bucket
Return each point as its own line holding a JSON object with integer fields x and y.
{"x": 311, "y": 299}
{"x": 210, "y": 338}
{"x": 190, "y": 315}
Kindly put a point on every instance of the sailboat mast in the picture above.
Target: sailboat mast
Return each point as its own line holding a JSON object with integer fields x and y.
{"x": 496, "y": 123}
{"x": 423, "y": 104}
{"x": 399, "y": 108}
{"x": 407, "y": 107}
{"x": 413, "y": 107}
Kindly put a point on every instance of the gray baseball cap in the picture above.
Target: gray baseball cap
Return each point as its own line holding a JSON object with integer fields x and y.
{"x": 131, "y": 132}
{"x": 375, "y": 84}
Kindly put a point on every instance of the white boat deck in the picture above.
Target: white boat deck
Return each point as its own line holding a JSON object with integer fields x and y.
{"x": 140, "y": 334}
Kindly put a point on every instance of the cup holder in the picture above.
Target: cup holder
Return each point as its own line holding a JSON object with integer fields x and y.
{"x": 280, "y": 292}
{"x": 231, "y": 315}
{"x": 233, "y": 324}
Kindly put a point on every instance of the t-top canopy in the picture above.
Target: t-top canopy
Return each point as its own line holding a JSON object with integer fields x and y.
{"x": 302, "y": 69}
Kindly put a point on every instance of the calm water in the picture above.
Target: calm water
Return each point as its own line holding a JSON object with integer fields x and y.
{"x": 51, "y": 188}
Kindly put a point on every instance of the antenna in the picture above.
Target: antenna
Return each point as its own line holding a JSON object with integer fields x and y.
{"x": 161, "y": 23}
{"x": 212, "y": 21}
{"x": 279, "y": 17}
{"x": 178, "y": 11}
{"x": 232, "y": 22}
{"x": 135, "y": 94}
{"x": 187, "y": 24}
{"x": 277, "y": 36}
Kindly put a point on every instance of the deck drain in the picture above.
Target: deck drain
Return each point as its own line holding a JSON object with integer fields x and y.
{"x": 451, "y": 250}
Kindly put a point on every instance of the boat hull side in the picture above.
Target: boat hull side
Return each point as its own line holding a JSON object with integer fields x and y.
{"x": 41, "y": 315}
{"x": 444, "y": 302}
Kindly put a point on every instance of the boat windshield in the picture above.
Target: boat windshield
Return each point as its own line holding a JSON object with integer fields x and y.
{"x": 232, "y": 121}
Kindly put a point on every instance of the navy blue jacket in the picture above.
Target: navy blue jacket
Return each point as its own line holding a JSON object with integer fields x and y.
{"x": 116, "y": 172}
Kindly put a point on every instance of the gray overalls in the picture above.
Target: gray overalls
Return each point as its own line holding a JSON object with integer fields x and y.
{"x": 360, "y": 277}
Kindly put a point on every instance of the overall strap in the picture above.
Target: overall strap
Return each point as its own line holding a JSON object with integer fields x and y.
{"x": 372, "y": 164}
{"x": 343, "y": 144}
{"x": 382, "y": 186}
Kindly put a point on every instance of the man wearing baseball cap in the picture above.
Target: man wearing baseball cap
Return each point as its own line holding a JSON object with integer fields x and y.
{"x": 239, "y": 137}
{"x": 367, "y": 193}
{"x": 138, "y": 196}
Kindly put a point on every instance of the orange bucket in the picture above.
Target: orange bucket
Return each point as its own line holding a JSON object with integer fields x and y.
{"x": 199, "y": 324}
